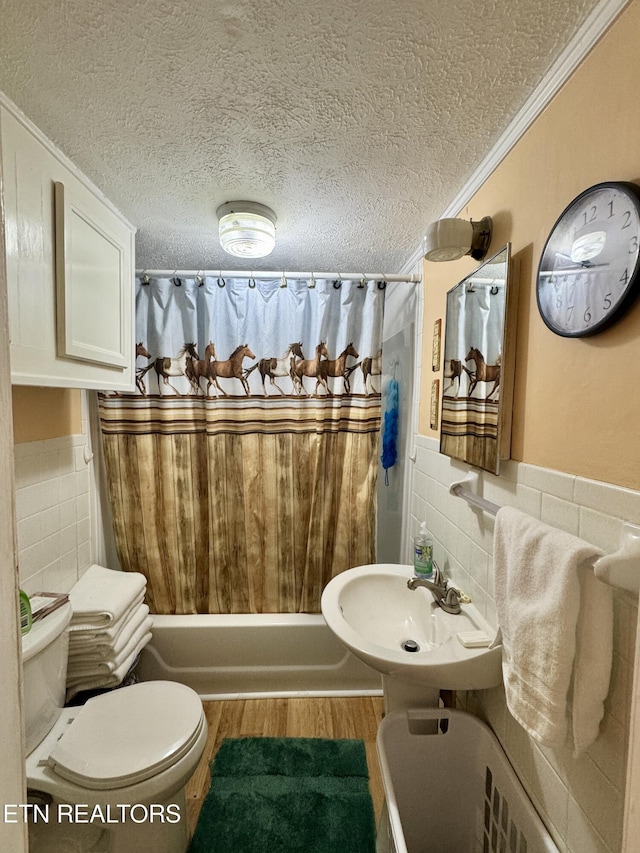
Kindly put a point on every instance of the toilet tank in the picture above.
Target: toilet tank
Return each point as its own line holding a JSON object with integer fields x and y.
{"x": 44, "y": 667}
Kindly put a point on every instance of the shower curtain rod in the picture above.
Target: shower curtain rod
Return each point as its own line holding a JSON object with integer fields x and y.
{"x": 331, "y": 276}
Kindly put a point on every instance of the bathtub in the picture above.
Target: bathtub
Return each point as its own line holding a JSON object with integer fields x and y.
{"x": 255, "y": 655}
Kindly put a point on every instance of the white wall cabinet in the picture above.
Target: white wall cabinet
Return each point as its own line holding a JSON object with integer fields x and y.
{"x": 70, "y": 268}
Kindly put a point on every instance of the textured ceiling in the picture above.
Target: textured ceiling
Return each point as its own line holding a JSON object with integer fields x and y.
{"x": 357, "y": 122}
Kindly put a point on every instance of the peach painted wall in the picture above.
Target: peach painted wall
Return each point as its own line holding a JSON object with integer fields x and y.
{"x": 577, "y": 401}
{"x": 43, "y": 413}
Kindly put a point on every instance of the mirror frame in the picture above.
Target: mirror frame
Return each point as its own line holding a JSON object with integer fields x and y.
{"x": 480, "y": 319}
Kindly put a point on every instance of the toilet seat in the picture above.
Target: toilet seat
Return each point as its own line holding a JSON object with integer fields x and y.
{"x": 128, "y": 735}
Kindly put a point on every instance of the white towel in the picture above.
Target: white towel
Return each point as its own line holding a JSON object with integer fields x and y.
{"x": 102, "y": 596}
{"x": 78, "y": 667}
{"x": 557, "y": 627}
{"x": 112, "y": 655}
{"x": 113, "y": 679}
{"x": 80, "y": 631}
{"x": 97, "y": 645}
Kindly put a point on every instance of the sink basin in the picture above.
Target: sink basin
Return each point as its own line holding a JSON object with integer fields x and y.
{"x": 372, "y": 611}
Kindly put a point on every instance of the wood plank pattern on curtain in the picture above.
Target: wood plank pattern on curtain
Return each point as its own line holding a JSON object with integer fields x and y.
{"x": 261, "y": 542}
{"x": 245, "y": 503}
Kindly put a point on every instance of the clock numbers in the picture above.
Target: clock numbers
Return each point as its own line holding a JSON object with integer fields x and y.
{"x": 589, "y": 271}
{"x": 576, "y": 300}
{"x": 626, "y": 216}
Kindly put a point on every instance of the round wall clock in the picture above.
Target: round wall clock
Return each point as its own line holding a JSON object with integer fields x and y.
{"x": 589, "y": 272}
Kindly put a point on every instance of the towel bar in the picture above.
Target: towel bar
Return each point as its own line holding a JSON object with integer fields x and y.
{"x": 470, "y": 494}
{"x": 620, "y": 569}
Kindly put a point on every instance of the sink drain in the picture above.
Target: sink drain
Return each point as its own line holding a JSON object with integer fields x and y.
{"x": 410, "y": 646}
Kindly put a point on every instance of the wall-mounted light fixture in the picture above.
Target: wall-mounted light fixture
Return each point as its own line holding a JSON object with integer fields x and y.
{"x": 246, "y": 229}
{"x": 451, "y": 239}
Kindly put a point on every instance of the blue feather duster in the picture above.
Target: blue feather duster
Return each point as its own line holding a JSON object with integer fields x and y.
{"x": 390, "y": 428}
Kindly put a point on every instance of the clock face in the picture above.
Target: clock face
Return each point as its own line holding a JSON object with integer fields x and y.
{"x": 589, "y": 271}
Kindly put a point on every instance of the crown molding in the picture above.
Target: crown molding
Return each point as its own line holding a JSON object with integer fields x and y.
{"x": 594, "y": 27}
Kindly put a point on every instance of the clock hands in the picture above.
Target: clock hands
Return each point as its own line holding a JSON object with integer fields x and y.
{"x": 581, "y": 264}
{"x": 576, "y": 270}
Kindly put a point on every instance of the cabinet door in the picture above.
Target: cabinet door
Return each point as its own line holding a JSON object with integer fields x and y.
{"x": 70, "y": 268}
{"x": 91, "y": 269}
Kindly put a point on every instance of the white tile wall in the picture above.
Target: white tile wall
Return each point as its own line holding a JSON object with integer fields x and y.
{"x": 54, "y": 512}
{"x": 581, "y": 801}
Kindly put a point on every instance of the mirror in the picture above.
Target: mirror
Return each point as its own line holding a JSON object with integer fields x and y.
{"x": 477, "y": 388}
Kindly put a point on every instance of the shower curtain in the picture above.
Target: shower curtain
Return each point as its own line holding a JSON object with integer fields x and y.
{"x": 242, "y": 473}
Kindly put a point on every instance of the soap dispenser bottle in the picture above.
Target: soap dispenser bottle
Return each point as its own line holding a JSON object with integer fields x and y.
{"x": 423, "y": 553}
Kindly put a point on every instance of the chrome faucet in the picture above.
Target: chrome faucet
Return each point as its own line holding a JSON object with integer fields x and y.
{"x": 446, "y": 597}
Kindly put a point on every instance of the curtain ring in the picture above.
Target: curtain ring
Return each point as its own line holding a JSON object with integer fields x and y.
{"x": 363, "y": 282}
{"x": 337, "y": 284}
{"x": 494, "y": 289}
{"x": 283, "y": 280}
{"x": 176, "y": 281}
{"x": 312, "y": 282}
{"x": 199, "y": 279}
{"x": 144, "y": 278}
{"x": 382, "y": 285}
{"x": 251, "y": 283}
{"x": 221, "y": 281}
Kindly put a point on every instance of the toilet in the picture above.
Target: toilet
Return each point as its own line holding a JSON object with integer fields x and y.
{"x": 109, "y": 776}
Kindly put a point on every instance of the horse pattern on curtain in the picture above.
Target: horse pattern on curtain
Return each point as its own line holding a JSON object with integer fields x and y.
{"x": 242, "y": 473}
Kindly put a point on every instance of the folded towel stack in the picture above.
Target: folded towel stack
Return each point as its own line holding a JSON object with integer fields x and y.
{"x": 109, "y": 627}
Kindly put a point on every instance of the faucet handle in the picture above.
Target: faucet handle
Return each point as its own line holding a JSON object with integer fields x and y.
{"x": 451, "y": 601}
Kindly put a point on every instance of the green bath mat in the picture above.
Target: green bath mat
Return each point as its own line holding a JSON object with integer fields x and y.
{"x": 287, "y": 795}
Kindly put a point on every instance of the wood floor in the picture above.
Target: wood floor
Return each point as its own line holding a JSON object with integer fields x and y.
{"x": 356, "y": 717}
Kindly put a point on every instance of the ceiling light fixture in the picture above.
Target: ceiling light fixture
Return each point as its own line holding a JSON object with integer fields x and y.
{"x": 246, "y": 229}
{"x": 588, "y": 246}
{"x": 451, "y": 239}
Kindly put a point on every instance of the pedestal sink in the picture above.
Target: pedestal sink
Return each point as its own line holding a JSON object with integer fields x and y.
{"x": 378, "y": 618}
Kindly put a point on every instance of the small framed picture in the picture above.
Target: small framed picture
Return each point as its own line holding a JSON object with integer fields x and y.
{"x": 436, "y": 346}
{"x": 435, "y": 404}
